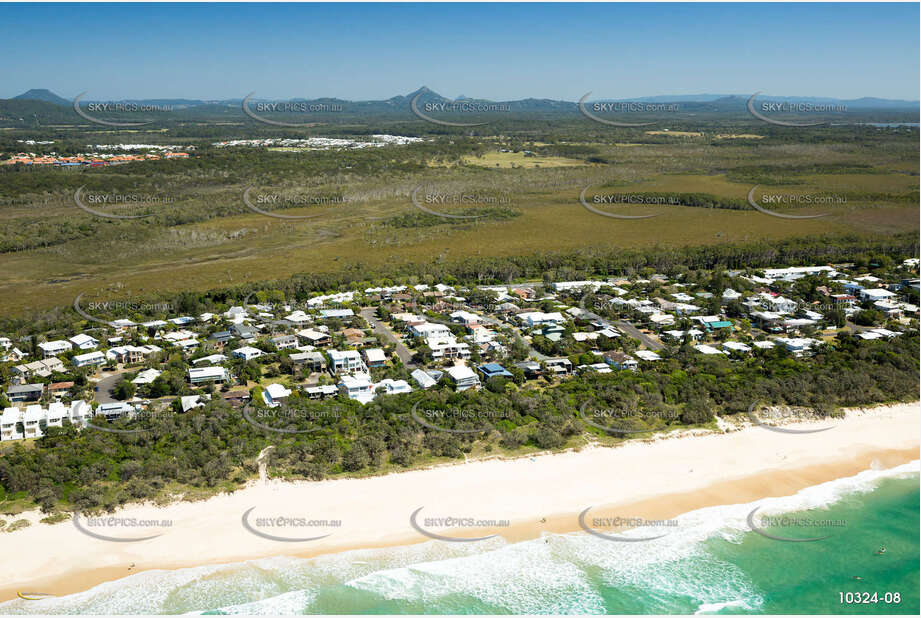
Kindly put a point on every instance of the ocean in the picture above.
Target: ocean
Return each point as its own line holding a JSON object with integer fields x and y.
{"x": 711, "y": 562}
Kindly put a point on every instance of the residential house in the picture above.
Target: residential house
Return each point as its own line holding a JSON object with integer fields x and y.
{"x": 620, "y": 360}
{"x": 220, "y": 338}
{"x": 244, "y": 331}
{"x": 200, "y": 375}
{"x": 315, "y": 361}
{"x": 465, "y": 317}
{"x": 299, "y": 317}
{"x": 357, "y": 386}
{"x": 247, "y": 353}
{"x": 315, "y": 337}
{"x": 59, "y": 389}
{"x": 336, "y": 313}
{"x": 284, "y": 342}
{"x": 53, "y": 348}
{"x": 388, "y": 386}
{"x": 39, "y": 369}
{"x": 25, "y": 392}
{"x": 559, "y": 366}
{"x": 428, "y": 330}
{"x": 448, "y": 348}
{"x": 84, "y": 342}
{"x": 737, "y": 346}
{"x": 533, "y": 319}
{"x": 423, "y": 378}
{"x": 275, "y": 394}
{"x": 115, "y": 410}
{"x": 146, "y": 377}
{"x": 876, "y": 294}
{"x": 797, "y": 346}
{"x": 531, "y": 368}
{"x": 492, "y": 370}
{"x": 90, "y": 359}
{"x": 375, "y": 357}
{"x": 354, "y": 336}
{"x": 346, "y": 361}
{"x": 464, "y": 377}
{"x": 236, "y": 398}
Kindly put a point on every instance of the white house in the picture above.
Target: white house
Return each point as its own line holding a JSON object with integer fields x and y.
{"x": 275, "y": 394}
{"x": 336, "y": 313}
{"x": 16, "y": 424}
{"x": 375, "y": 357}
{"x": 423, "y": 379}
{"x": 146, "y": 377}
{"x": 875, "y": 294}
{"x": 393, "y": 387}
{"x": 84, "y": 342}
{"x": 39, "y": 368}
{"x": 89, "y": 359}
{"x": 247, "y": 353}
{"x": 538, "y": 318}
{"x": 706, "y": 349}
{"x": 798, "y": 346}
{"x": 190, "y": 402}
{"x": 299, "y": 317}
{"x": 236, "y": 315}
{"x": 464, "y": 377}
{"x": 737, "y": 346}
{"x": 198, "y": 375}
{"x": 357, "y": 386}
{"x": 53, "y": 348}
{"x": 777, "y": 304}
{"x": 465, "y": 317}
{"x": 428, "y": 330}
{"x": 346, "y": 361}
{"x": 796, "y": 272}
{"x": 448, "y": 347}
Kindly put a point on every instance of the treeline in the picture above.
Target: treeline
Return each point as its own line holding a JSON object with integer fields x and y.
{"x": 214, "y": 448}
{"x": 874, "y": 253}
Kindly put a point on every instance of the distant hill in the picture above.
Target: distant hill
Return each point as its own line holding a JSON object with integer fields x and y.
{"x": 427, "y": 95}
{"x": 41, "y": 106}
{"x": 43, "y": 94}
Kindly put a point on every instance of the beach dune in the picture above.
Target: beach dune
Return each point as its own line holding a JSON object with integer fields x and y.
{"x": 517, "y": 499}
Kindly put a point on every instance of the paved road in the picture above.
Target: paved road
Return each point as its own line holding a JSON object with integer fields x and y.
{"x": 404, "y": 353}
{"x": 105, "y": 386}
{"x": 634, "y": 332}
{"x": 532, "y": 351}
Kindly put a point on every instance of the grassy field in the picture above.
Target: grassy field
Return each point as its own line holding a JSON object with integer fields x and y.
{"x": 206, "y": 237}
{"x": 506, "y": 160}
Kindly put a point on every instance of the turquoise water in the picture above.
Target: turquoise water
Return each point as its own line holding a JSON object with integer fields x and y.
{"x": 710, "y": 563}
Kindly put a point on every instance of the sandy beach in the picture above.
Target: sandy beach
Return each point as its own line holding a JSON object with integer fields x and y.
{"x": 652, "y": 479}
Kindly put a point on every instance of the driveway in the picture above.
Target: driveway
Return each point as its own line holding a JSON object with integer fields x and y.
{"x": 633, "y": 331}
{"x": 405, "y": 354}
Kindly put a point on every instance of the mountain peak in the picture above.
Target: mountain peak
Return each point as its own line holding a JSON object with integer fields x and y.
{"x": 43, "y": 94}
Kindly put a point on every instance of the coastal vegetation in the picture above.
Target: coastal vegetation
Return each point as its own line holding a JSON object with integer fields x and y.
{"x": 211, "y": 449}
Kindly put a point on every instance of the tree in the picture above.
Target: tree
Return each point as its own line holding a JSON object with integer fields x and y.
{"x": 124, "y": 390}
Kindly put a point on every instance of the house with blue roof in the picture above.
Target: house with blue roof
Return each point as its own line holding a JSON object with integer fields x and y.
{"x": 490, "y": 370}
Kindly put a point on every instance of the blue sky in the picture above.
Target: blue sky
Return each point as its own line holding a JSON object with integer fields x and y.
{"x": 494, "y": 51}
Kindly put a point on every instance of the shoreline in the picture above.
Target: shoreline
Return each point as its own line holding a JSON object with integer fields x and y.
{"x": 658, "y": 478}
